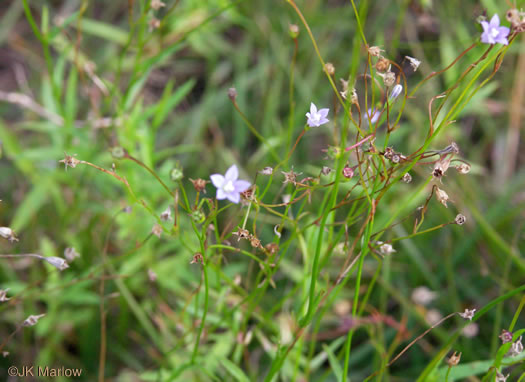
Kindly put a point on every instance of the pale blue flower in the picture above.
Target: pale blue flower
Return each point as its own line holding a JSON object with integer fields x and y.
{"x": 316, "y": 118}
{"x": 373, "y": 115}
{"x": 228, "y": 187}
{"x": 493, "y": 33}
{"x": 396, "y": 91}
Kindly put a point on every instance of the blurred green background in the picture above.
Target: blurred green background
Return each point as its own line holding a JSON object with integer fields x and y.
{"x": 98, "y": 75}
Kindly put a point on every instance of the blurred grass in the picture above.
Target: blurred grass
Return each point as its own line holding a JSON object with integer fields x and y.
{"x": 166, "y": 93}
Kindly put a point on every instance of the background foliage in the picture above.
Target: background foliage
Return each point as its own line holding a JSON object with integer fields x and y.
{"x": 97, "y": 76}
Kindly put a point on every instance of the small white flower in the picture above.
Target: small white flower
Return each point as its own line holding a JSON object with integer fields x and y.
{"x": 316, "y": 117}
{"x": 7, "y": 233}
{"x": 516, "y": 348}
{"x": 3, "y": 295}
{"x": 32, "y": 320}
{"x": 423, "y": 296}
{"x": 166, "y": 214}
{"x": 414, "y": 62}
{"x": 471, "y": 330}
{"x": 468, "y": 314}
{"x": 71, "y": 254}
{"x": 386, "y": 249}
{"x": 500, "y": 377}
{"x": 266, "y": 171}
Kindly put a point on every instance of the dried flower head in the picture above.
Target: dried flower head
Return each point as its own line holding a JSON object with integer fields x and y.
{"x": 414, "y": 62}
{"x": 326, "y": 170}
{"x": 3, "y": 295}
{"x": 157, "y": 4}
{"x": 255, "y": 242}
{"x": 441, "y": 196}
{"x": 232, "y": 93}
{"x": 271, "y": 248}
{"x": 154, "y": 23}
{"x": 382, "y": 64}
{"x": 389, "y": 78}
{"x": 32, "y": 320}
{"x": 407, "y": 178}
{"x": 463, "y": 168}
{"x": 505, "y": 336}
{"x": 460, "y": 219}
{"x": 441, "y": 167}
{"x": 516, "y": 348}
{"x": 454, "y": 359}
{"x": 375, "y": 51}
{"x": 166, "y": 214}
{"x": 290, "y": 176}
{"x": 229, "y": 186}
{"x": 69, "y": 161}
{"x": 71, "y": 254}
{"x": 199, "y": 184}
{"x": 468, "y": 314}
{"x": 500, "y": 377}
{"x": 396, "y": 158}
{"x": 329, "y": 68}
{"x": 8, "y": 233}
{"x": 157, "y": 230}
{"x": 197, "y": 258}
{"x": 241, "y": 233}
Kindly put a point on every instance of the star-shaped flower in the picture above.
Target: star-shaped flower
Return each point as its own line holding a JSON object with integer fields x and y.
{"x": 228, "y": 187}
{"x": 493, "y": 33}
{"x": 316, "y": 117}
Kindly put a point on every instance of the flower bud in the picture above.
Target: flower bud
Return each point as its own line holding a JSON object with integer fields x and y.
{"x": 232, "y": 93}
{"x": 348, "y": 172}
{"x": 396, "y": 91}
{"x": 176, "y": 174}
{"x": 329, "y": 68}
{"x": 266, "y": 171}
{"x": 463, "y": 168}
{"x": 454, "y": 359}
{"x": 197, "y": 258}
{"x": 293, "y": 30}
{"x": 117, "y": 152}
{"x": 7, "y": 233}
{"x": 407, "y": 178}
{"x": 375, "y": 51}
{"x": 57, "y": 262}
{"x": 198, "y": 216}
